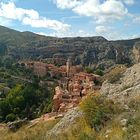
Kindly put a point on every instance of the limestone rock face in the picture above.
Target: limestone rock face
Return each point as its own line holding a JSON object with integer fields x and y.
{"x": 128, "y": 87}
{"x": 136, "y": 52}
{"x": 68, "y": 119}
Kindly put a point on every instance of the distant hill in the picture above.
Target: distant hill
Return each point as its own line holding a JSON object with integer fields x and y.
{"x": 96, "y": 52}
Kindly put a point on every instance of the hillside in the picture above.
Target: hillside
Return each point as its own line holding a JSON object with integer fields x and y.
{"x": 120, "y": 104}
{"x": 96, "y": 52}
{"x": 112, "y": 114}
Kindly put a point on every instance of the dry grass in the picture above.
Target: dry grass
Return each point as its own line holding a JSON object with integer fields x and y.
{"x": 81, "y": 130}
{"x": 112, "y": 130}
{"x": 37, "y": 132}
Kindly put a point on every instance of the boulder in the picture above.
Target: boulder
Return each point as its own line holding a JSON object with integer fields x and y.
{"x": 14, "y": 126}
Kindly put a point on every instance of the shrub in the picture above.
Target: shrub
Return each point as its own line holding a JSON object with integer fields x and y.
{"x": 97, "y": 110}
{"x": 10, "y": 117}
{"x": 89, "y": 70}
{"x": 99, "y": 72}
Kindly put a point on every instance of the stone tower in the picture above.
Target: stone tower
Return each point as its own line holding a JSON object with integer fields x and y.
{"x": 68, "y": 66}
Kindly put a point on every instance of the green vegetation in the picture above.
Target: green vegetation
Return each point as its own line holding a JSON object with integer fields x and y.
{"x": 102, "y": 113}
{"x": 97, "y": 110}
{"x": 3, "y": 49}
{"x": 99, "y": 72}
{"x": 100, "y": 121}
{"x": 21, "y": 95}
{"x": 23, "y": 101}
{"x": 114, "y": 74}
{"x": 11, "y": 73}
{"x": 10, "y": 117}
{"x": 89, "y": 70}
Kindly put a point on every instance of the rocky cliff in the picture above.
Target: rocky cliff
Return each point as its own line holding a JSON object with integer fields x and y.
{"x": 127, "y": 88}
{"x": 136, "y": 52}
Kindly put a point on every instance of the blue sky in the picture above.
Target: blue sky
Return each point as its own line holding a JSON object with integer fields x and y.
{"x": 113, "y": 19}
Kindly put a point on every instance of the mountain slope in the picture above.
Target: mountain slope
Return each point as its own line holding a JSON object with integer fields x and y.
{"x": 96, "y": 52}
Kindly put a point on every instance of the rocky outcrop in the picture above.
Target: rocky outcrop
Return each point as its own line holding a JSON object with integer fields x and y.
{"x": 128, "y": 87}
{"x": 14, "y": 126}
{"x": 136, "y": 52}
{"x": 67, "y": 121}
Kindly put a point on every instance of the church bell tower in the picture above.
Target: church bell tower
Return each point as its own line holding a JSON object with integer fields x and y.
{"x": 68, "y": 66}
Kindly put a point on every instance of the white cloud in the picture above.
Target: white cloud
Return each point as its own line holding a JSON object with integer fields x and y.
{"x": 30, "y": 17}
{"x": 136, "y": 19}
{"x": 135, "y": 36}
{"x": 78, "y": 33}
{"x": 109, "y": 10}
{"x": 88, "y": 8}
{"x": 46, "y": 23}
{"x": 66, "y": 4}
{"x": 83, "y": 33}
{"x": 109, "y": 33}
{"x": 10, "y": 11}
{"x": 129, "y": 2}
{"x": 4, "y": 22}
{"x": 101, "y": 29}
{"x": 102, "y": 12}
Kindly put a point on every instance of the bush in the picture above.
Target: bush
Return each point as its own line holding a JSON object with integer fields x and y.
{"x": 89, "y": 70}
{"x": 97, "y": 110}
{"x": 10, "y": 117}
{"x": 99, "y": 72}
{"x": 48, "y": 108}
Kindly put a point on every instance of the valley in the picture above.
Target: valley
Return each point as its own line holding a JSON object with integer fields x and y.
{"x": 74, "y": 88}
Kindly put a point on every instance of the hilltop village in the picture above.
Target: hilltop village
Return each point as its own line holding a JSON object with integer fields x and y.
{"x": 73, "y": 82}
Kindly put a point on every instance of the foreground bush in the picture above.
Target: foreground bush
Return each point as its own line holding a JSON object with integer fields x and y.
{"x": 97, "y": 110}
